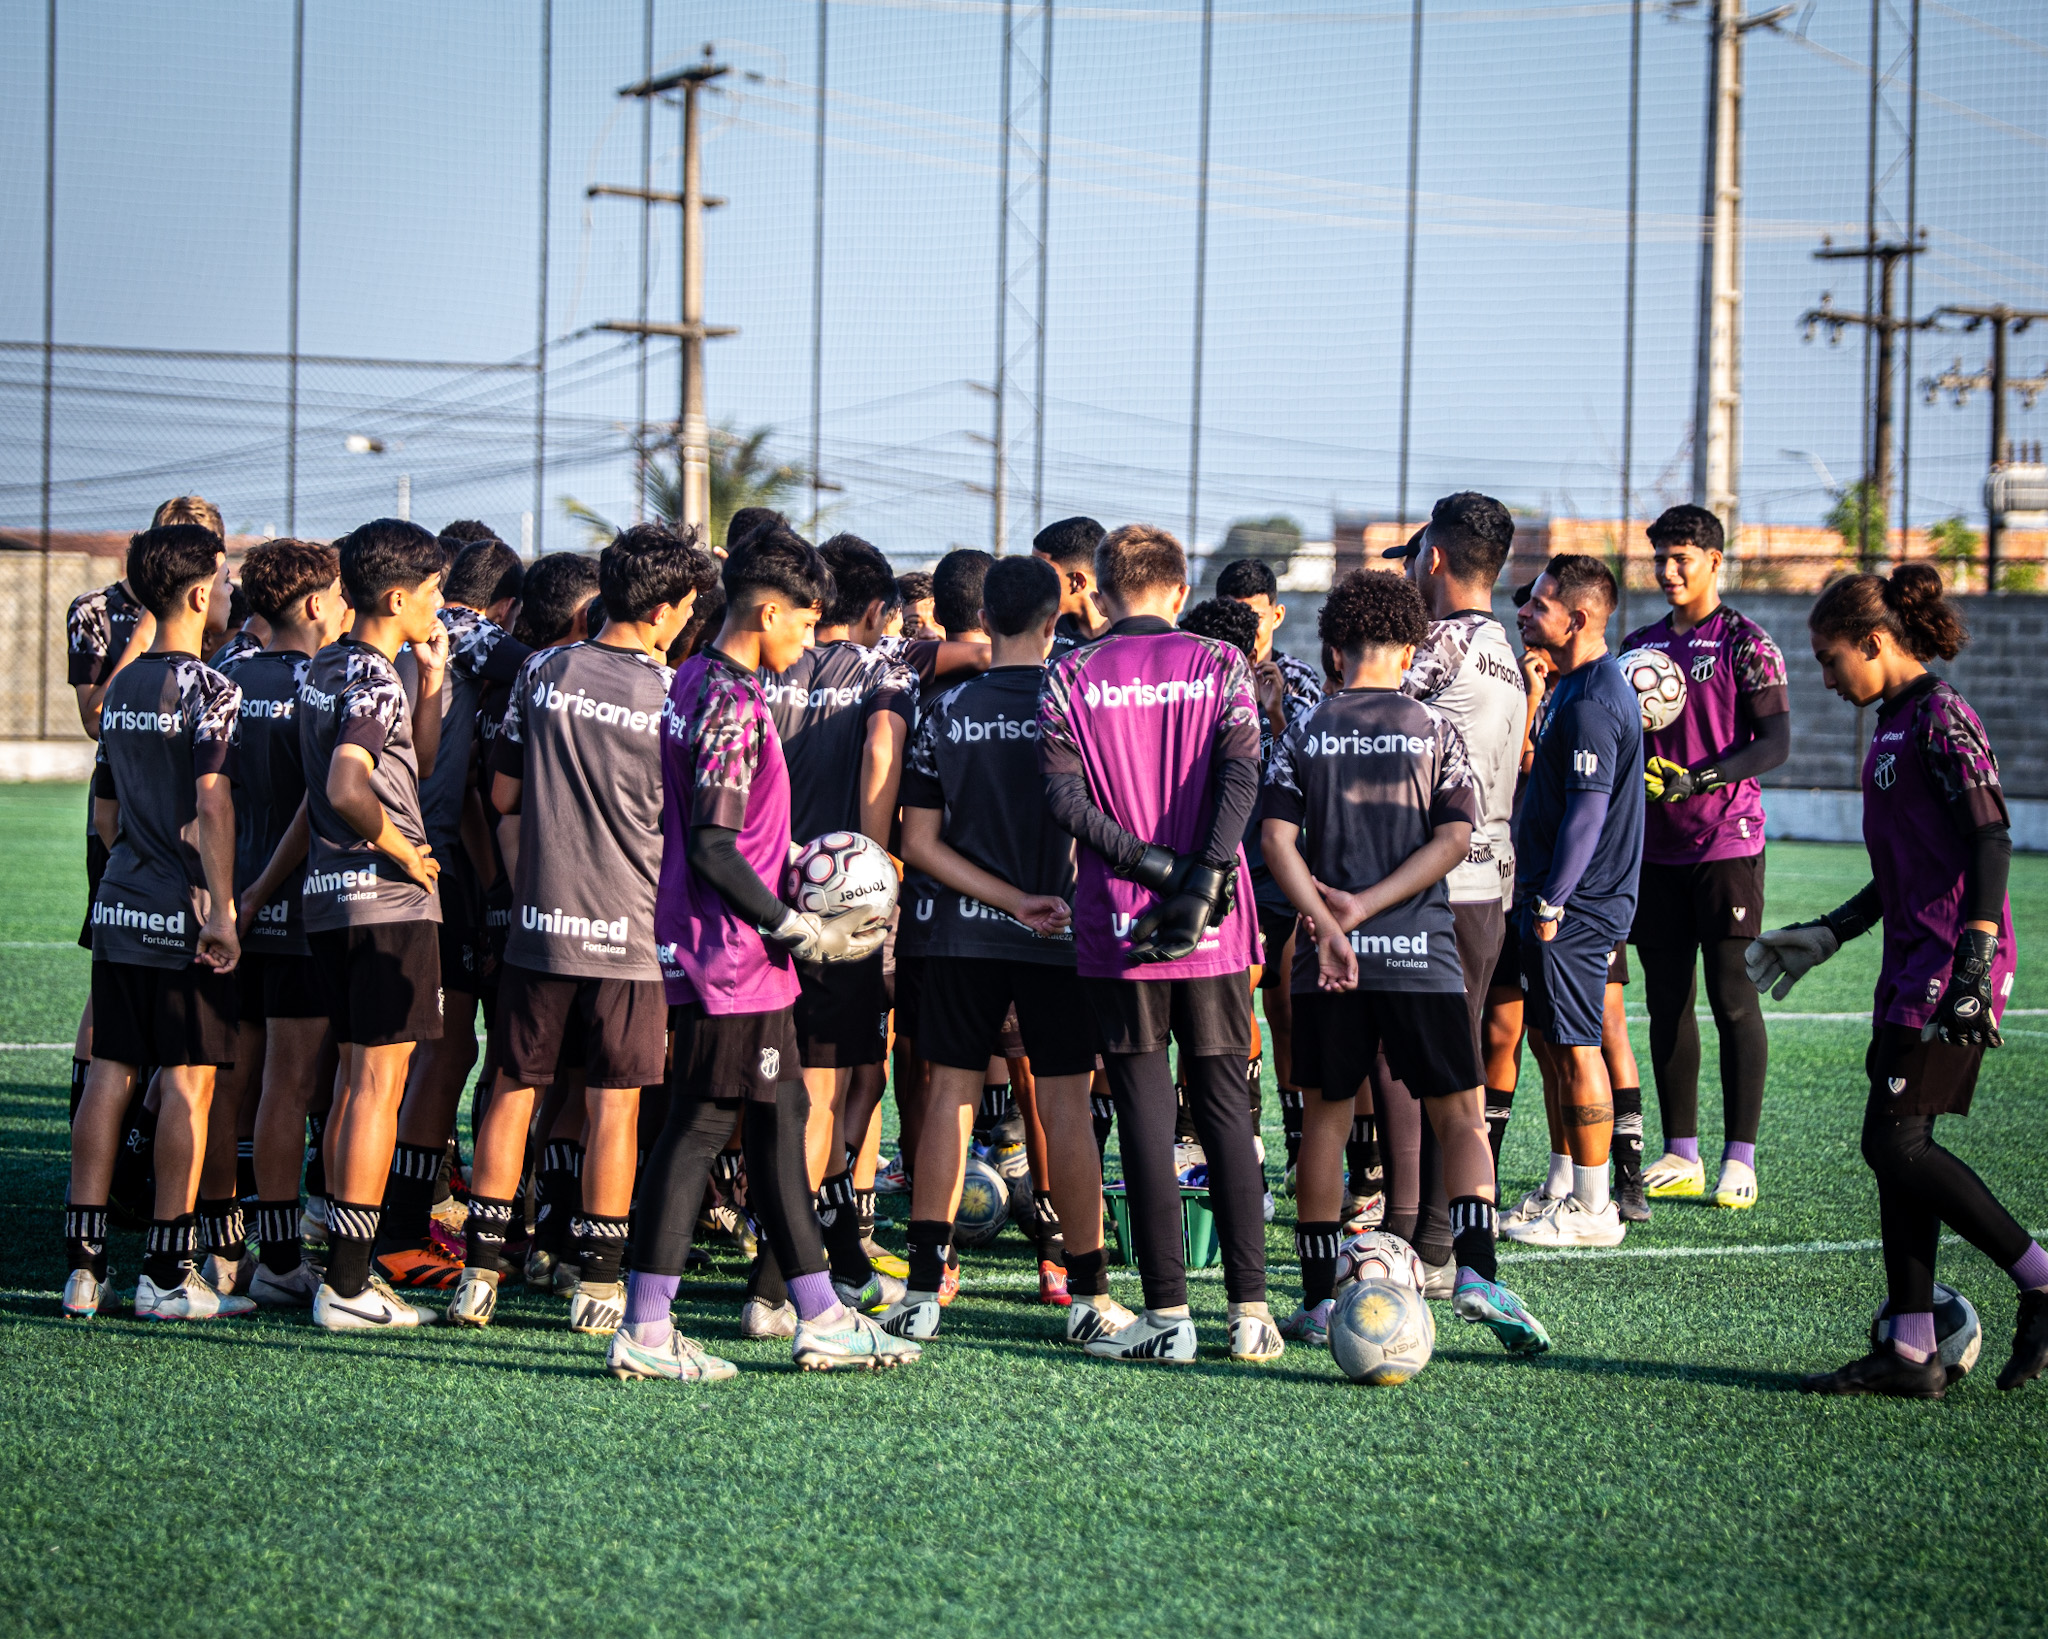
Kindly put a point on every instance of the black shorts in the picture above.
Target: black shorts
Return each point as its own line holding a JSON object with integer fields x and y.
{"x": 840, "y": 1013}
{"x": 1207, "y": 1018}
{"x": 1564, "y": 981}
{"x": 727, "y": 1057}
{"x": 1481, "y": 930}
{"x": 1911, "y": 1077}
{"x": 463, "y": 950}
{"x": 1694, "y": 905}
{"x": 966, "y": 999}
{"x": 95, "y": 868}
{"x": 273, "y": 986}
{"x": 624, "y": 1028}
{"x": 1276, "y": 928}
{"x": 1427, "y": 1036}
{"x": 381, "y": 984}
{"x": 162, "y": 1015}
{"x": 1507, "y": 966}
{"x": 906, "y": 996}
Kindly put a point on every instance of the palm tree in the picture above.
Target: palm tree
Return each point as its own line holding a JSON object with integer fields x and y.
{"x": 743, "y": 474}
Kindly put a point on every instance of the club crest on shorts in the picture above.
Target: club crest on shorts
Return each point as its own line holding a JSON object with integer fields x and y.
{"x": 771, "y": 1063}
{"x": 1740, "y": 911}
{"x": 1886, "y": 771}
{"x": 1703, "y": 668}
{"x": 1897, "y": 1084}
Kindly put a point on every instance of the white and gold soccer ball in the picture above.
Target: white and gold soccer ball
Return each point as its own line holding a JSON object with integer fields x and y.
{"x": 1376, "y": 1255}
{"x": 843, "y": 874}
{"x": 1381, "y": 1333}
{"x": 1659, "y": 686}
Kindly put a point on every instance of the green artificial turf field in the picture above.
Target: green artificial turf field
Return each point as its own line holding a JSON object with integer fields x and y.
{"x": 1655, "y": 1472}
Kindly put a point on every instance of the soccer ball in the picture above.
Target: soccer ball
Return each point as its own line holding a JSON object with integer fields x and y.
{"x": 1376, "y": 1255}
{"x": 1659, "y": 686}
{"x": 843, "y": 874}
{"x": 1381, "y": 1333}
{"x": 1958, "y": 1336}
{"x": 984, "y": 1204}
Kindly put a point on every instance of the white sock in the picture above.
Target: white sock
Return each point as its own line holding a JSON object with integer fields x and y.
{"x": 1589, "y": 1184}
{"x": 1559, "y": 1183}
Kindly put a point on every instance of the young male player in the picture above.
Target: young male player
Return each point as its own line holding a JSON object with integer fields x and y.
{"x": 732, "y": 947}
{"x": 295, "y": 586}
{"x": 1703, "y": 855}
{"x": 578, "y": 758}
{"x": 1149, "y": 741}
{"x": 1370, "y": 805}
{"x": 1577, "y": 853}
{"x": 163, "y": 923}
{"x": 1000, "y": 935}
{"x": 372, "y": 912}
{"x": 1069, "y": 546}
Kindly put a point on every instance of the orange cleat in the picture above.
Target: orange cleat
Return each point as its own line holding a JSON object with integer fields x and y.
{"x": 420, "y": 1269}
{"x": 949, "y": 1284}
{"x": 1052, "y": 1284}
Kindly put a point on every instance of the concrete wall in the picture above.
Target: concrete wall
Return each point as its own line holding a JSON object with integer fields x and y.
{"x": 30, "y": 648}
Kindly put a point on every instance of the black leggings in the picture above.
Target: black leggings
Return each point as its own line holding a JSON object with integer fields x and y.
{"x": 1418, "y": 1210}
{"x": 1142, "y": 1086}
{"x": 1669, "y": 979}
{"x": 778, "y": 1182}
{"x": 1920, "y": 1187}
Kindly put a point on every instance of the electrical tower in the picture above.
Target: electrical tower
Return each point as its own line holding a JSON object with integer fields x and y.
{"x": 1018, "y": 443}
{"x": 1993, "y": 379}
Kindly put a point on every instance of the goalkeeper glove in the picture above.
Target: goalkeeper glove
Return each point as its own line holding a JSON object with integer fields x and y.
{"x": 1667, "y": 781}
{"x": 1964, "y": 1017}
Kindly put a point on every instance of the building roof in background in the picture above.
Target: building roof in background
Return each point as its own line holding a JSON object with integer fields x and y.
{"x": 96, "y": 543}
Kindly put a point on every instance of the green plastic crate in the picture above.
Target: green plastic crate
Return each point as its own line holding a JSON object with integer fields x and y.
{"x": 1197, "y": 1225}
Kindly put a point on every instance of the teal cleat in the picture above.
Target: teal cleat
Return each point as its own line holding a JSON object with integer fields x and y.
{"x": 850, "y": 1342}
{"x": 676, "y": 1359}
{"x": 1310, "y": 1326}
{"x": 1488, "y": 1303}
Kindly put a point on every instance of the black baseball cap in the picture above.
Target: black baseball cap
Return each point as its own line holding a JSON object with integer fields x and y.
{"x": 1408, "y": 548}
{"x": 1522, "y": 592}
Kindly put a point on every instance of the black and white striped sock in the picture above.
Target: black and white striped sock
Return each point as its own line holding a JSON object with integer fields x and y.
{"x": 484, "y": 1235}
{"x": 85, "y": 1239}
{"x": 1316, "y": 1244}
{"x": 277, "y": 1235}
{"x": 1474, "y": 1225}
{"x": 600, "y": 1246}
{"x": 351, "y": 1232}
{"x": 222, "y": 1230}
{"x": 171, "y": 1249}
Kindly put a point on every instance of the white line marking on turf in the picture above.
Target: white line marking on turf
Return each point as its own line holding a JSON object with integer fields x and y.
{"x": 40, "y": 944}
{"x": 36, "y": 1046}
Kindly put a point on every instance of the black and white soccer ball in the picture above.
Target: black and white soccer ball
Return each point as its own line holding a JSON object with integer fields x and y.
{"x": 1958, "y": 1335}
{"x": 1381, "y": 1332}
{"x": 843, "y": 874}
{"x": 1659, "y": 686}
{"x": 1377, "y": 1255}
{"x": 984, "y": 1204}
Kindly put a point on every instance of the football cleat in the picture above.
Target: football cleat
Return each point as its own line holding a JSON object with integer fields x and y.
{"x": 567, "y": 1278}
{"x": 476, "y": 1298}
{"x": 190, "y": 1299}
{"x": 1310, "y": 1326}
{"x": 1439, "y": 1280}
{"x": 675, "y": 1359}
{"x": 419, "y": 1269}
{"x": 1187, "y": 1156}
{"x": 1737, "y": 1186}
{"x": 949, "y": 1284}
{"x": 84, "y": 1292}
{"x": 540, "y": 1269}
{"x": 892, "y": 1177}
{"x": 1571, "y": 1222}
{"x": 1531, "y": 1207}
{"x": 227, "y": 1274}
{"x": 1167, "y": 1338}
{"x": 1488, "y": 1303}
{"x": 852, "y": 1341}
{"x": 1287, "y": 1184}
{"x": 1363, "y": 1212}
{"x": 917, "y": 1320}
{"x": 293, "y": 1290}
{"x": 884, "y": 1261}
{"x": 2029, "y": 1342}
{"x": 1086, "y": 1322}
{"x": 1672, "y": 1177}
{"x": 313, "y": 1219}
{"x": 760, "y": 1318}
{"x": 448, "y": 1232}
{"x": 1254, "y": 1340}
{"x": 1883, "y": 1371}
{"x": 375, "y": 1308}
{"x": 1052, "y": 1284}
{"x": 598, "y": 1307}
{"x": 1630, "y": 1201}
{"x": 879, "y": 1293}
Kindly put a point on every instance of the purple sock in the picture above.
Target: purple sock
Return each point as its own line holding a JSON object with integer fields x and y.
{"x": 813, "y": 1295}
{"x": 647, "y": 1302}
{"x": 2030, "y": 1274}
{"x": 1745, "y": 1153}
{"x": 1688, "y": 1148}
{"x": 1913, "y": 1335}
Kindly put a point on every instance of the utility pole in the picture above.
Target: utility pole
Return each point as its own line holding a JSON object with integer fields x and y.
{"x": 1884, "y": 327}
{"x": 693, "y": 433}
{"x": 1021, "y": 226}
{"x": 1994, "y": 379}
{"x": 1717, "y": 370}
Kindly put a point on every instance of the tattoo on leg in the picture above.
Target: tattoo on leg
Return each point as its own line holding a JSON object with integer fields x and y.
{"x": 1587, "y": 1115}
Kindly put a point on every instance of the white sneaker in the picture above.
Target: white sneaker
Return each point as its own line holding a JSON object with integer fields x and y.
{"x": 227, "y": 1274}
{"x": 1364, "y": 1212}
{"x": 1254, "y": 1340}
{"x": 1168, "y": 1338}
{"x": 915, "y": 1316}
{"x": 881, "y": 1292}
{"x": 475, "y": 1299}
{"x": 1571, "y": 1223}
{"x": 1188, "y": 1156}
{"x": 1085, "y": 1322}
{"x": 598, "y": 1307}
{"x": 292, "y": 1291}
{"x": 191, "y": 1299}
{"x": 313, "y": 1219}
{"x": 1439, "y": 1280}
{"x": 1269, "y": 1206}
{"x": 84, "y": 1292}
{"x": 1531, "y": 1207}
{"x": 375, "y": 1308}
{"x": 760, "y": 1318}
{"x": 1737, "y": 1186}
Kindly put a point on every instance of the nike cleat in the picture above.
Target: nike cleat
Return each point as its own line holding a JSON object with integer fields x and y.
{"x": 1052, "y": 1284}
{"x": 1488, "y": 1303}
{"x": 190, "y": 1299}
{"x": 84, "y": 1292}
{"x": 1883, "y": 1371}
{"x": 1439, "y": 1280}
{"x": 916, "y": 1318}
{"x": 1531, "y": 1207}
{"x": 313, "y": 1220}
{"x": 1571, "y": 1222}
{"x": 475, "y": 1300}
{"x": 2029, "y": 1341}
{"x": 1364, "y": 1212}
{"x": 759, "y": 1318}
{"x": 1673, "y": 1178}
{"x": 1737, "y": 1186}
{"x": 949, "y": 1284}
{"x": 852, "y": 1342}
{"x": 675, "y": 1359}
{"x": 1165, "y": 1338}
{"x": 419, "y": 1269}
{"x": 375, "y": 1308}
{"x": 892, "y": 1177}
{"x": 227, "y": 1274}
{"x": 598, "y": 1308}
{"x": 1309, "y": 1325}
{"x": 1630, "y": 1201}
{"x": 540, "y": 1269}
{"x": 1255, "y": 1340}
{"x": 1086, "y": 1322}
{"x": 883, "y": 1260}
{"x": 293, "y": 1290}
{"x": 878, "y": 1293}
{"x": 568, "y": 1277}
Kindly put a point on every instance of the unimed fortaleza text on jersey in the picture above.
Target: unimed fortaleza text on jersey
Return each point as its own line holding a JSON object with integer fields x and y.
{"x": 168, "y": 719}
{"x": 269, "y": 785}
{"x": 582, "y": 734}
{"x": 975, "y": 756}
{"x": 1468, "y": 671}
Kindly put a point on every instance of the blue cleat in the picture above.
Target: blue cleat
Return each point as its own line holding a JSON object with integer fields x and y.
{"x": 1488, "y": 1303}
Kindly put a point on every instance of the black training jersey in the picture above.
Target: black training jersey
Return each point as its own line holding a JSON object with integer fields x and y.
{"x": 239, "y": 647}
{"x": 351, "y": 695}
{"x": 1368, "y": 776}
{"x": 822, "y": 706}
{"x": 1301, "y": 693}
{"x": 97, "y": 628}
{"x": 270, "y": 784}
{"x": 480, "y": 654}
{"x": 975, "y": 755}
{"x": 583, "y": 736}
{"x": 167, "y": 721}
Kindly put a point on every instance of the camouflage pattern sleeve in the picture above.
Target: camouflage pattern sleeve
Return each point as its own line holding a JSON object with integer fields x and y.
{"x": 1059, "y": 752}
{"x": 481, "y": 648}
{"x": 1958, "y": 758}
{"x": 1304, "y": 687}
{"x": 1281, "y": 797}
{"x": 373, "y": 703}
{"x": 1440, "y": 658}
{"x": 726, "y": 734}
{"x": 1455, "y": 799}
{"x": 921, "y": 788}
{"x": 1237, "y": 729}
{"x": 87, "y": 637}
{"x": 888, "y": 684}
{"x": 213, "y": 706}
{"x": 1761, "y": 684}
